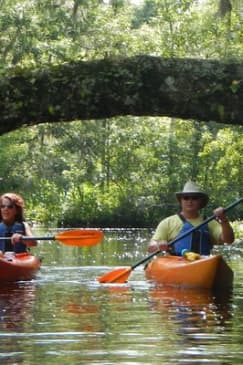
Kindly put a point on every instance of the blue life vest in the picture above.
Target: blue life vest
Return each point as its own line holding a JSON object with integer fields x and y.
{"x": 8, "y": 231}
{"x": 198, "y": 241}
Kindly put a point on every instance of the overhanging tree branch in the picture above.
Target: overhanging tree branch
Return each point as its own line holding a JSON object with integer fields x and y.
{"x": 197, "y": 89}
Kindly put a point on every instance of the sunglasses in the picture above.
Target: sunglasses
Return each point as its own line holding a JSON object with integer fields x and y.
{"x": 9, "y": 206}
{"x": 191, "y": 197}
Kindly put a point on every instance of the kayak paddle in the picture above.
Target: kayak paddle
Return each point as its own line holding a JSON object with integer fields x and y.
{"x": 121, "y": 275}
{"x": 75, "y": 237}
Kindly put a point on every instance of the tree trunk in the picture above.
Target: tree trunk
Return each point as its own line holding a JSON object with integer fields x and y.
{"x": 196, "y": 89}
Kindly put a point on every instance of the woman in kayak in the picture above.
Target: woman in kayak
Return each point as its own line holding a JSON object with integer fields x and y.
{"x": 192, "y": 199}
{"x": 13, "y": 224}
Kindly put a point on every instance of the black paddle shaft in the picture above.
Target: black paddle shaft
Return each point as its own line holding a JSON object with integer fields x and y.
{"x": 29, "y": 238}
{"x": 187, "y": 233}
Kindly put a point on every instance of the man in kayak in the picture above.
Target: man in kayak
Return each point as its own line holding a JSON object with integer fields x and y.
{"x": 13, "y": 224}
{"x": 192, "y": 199}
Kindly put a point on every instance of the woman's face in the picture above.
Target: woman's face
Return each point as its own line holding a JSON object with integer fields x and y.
{"x": 8, "y": 211}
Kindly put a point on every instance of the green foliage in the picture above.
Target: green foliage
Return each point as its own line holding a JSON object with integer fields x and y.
{"x": 122, "y": 171}
{"x": 119, "y": 172}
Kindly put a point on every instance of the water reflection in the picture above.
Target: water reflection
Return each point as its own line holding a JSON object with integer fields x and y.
{"x": 17, "y": 301}
{"x": 65, "y": 316}
{"x": 192, "y": 310}
{"x": 16, "y": 305}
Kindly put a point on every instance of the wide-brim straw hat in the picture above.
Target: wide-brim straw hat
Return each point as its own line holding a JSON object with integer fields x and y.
{"x": 191, "y": 188}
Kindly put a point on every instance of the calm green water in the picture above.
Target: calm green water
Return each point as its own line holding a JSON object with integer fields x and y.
{"x": 66, "y": 317}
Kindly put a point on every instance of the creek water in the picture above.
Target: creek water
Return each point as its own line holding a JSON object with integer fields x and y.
{"x": 65, "y": 316}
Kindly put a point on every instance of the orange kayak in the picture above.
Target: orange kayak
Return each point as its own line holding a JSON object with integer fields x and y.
{"x": 207, "y": 272}
{"x": 16, "y": 267}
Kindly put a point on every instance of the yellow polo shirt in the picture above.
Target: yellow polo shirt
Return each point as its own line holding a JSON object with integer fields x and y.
{"x": 169, "y": 228}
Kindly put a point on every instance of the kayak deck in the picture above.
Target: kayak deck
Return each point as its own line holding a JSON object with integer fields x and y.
{"x": 207, "y": 272}
{"x": 16, "y": 267}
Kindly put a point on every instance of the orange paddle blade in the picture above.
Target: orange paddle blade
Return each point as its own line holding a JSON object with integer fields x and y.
{"x": 116, "y": 276}
{"x": 80, "y": 237}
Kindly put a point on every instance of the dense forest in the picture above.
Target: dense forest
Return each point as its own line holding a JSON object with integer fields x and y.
{"x": 121, "y": 171}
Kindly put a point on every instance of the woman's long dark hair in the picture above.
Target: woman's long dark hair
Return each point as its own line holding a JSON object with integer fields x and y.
{"x": 18, "y": 201}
